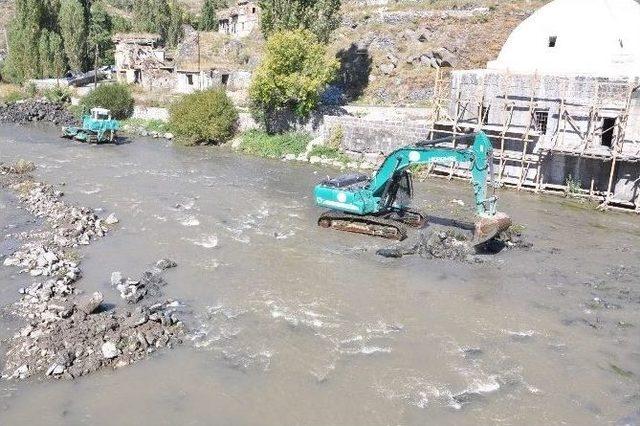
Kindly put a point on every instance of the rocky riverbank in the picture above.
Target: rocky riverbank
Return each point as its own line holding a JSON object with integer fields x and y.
{"x": 69, "y": 334}
{"x": 36, "y": 110}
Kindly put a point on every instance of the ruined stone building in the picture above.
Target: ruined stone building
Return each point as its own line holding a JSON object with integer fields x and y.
{"x": 239, "y": 20}
{"x": 561, "y": 102}
{"x": 139, "y": 60}
{"x": 194, "y": 65}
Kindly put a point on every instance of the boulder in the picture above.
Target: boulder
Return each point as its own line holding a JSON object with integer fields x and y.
{"x": 109, "y": 350}
{"x": 89, "y": 303}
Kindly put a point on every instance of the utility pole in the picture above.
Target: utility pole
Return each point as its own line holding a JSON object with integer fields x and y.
{"x": 199, "y": 64}
{"x": 95, "y": 68}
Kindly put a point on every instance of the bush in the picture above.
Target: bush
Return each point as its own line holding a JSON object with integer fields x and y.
{"x": 274, "y": 146}
{"x": 294, "y": 71}
{"x": 58, "y": 94}
{"x": 114, "y": 97}
{"x": 203, "y": 118}
{"x": 332, "y": 153}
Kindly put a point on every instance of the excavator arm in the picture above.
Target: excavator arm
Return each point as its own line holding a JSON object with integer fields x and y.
{"x": 370, "y": 205}
{"x": 479, "y": 156}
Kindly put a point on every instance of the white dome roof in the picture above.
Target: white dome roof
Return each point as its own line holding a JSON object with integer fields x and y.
{"x": 594, "y": 37}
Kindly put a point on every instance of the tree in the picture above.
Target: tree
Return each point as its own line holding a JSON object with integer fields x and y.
{"x": 115, "y": 97}
{"x": 73, "y": 28}
{"x": 203, "y": 118}
{"x": 174, "y": 32}
{"x": 24, "y": 40}
{"x": 100, "y": 31}
{"x": 294, "y": 70}
{"x": 44, "y": 52}
{"x": 152, "y": 16}
{"x": 58, "y": 59}
{"x": 208, "y": 17}
{"x": 320, "y": 17}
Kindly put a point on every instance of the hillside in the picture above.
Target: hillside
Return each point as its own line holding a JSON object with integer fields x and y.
{"x": 389, "y": 50}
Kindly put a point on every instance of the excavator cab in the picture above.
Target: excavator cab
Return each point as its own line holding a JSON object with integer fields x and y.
{"x": 400, "y": 191}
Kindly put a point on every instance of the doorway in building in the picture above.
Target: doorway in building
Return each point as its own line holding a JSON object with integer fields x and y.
{"x": 608, "y": 127}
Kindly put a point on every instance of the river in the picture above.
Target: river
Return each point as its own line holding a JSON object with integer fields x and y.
{"x": 294, "y": 324}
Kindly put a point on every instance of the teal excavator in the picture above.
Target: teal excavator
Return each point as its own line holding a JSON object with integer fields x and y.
{"x": 379, "y": 205}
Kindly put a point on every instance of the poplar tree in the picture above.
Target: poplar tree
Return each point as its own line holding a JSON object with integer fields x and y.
{"x": 44, "y": 53}
{"x": 100, "y": 30}
{"x": 58, "y": 59}
{"x": 208, "y": 17}
{"x": 320, "y": 17}
{"x": 174, "y": 31}
{"x": 73, "y": 28}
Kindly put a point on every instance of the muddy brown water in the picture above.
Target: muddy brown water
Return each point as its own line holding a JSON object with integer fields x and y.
{"x": 293, "y": 324}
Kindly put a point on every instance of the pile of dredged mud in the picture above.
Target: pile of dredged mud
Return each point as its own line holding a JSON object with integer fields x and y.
{"x": 451, "y": 243}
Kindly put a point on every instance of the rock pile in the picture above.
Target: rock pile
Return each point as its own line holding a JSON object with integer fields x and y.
{"x": 70, "y": 334}
{"x": 34, "y": 110}
{"x": 150, "y": 284}
{"x": 437, "y": 244}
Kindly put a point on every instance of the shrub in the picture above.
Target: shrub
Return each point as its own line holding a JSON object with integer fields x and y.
{"x": 203, "y": 118}
{"x": 274, "y": 146}
{"x": 115, "y": 97}
{"x": 294, "y": 70}
{"x": 58, "y": 94}
{"x": 332, "y": 153}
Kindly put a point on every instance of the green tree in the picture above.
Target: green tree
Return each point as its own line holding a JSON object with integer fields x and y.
{"x": 58, "y": 59}
{"x": 174, "y": 32}
{"x": 320, "y": 17}
{"x": 208, "y": 17}
{"x": 73, "y": 28}
{"x": 203, "y": 118}
{"x": 100, "y": 32}
{"x": 152, "y": 16}
{"x": 44, "y": 52}
{"x": 293, "y": 72}
{"x": 24, "y": 40}
{"x": 114, "y": 97}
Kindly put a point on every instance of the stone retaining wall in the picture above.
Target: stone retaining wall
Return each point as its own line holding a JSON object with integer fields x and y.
{"x": 374, "y": 137}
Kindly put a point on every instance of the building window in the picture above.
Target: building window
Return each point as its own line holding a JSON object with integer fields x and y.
{"x": 552, "y": 41}
{"x": 608, "y": 129}
{"x": 541, "y": 118}
{"x": 190, "y": 79}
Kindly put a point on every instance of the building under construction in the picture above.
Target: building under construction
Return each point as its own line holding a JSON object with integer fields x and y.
{"x": 561, "y": 103}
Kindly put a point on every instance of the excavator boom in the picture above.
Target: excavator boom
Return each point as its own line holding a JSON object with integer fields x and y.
{"x": 359, "y": 203}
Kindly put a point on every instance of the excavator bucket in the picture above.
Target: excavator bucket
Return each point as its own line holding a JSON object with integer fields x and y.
{"x": 489, "y": 227}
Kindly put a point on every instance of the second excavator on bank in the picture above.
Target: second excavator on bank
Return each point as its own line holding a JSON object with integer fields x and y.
{"x": 379, "y": 205}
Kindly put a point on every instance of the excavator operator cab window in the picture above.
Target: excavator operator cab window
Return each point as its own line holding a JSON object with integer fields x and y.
{"x": 403, "y": 184}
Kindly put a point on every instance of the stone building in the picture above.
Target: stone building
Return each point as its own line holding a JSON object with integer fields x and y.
{"x": 562, "y": 101}
{"x": 194, "y": 65}
{"x": 239, "y": 20}
{"x": 140, "y": 60}
{"x": 561, "y": 104}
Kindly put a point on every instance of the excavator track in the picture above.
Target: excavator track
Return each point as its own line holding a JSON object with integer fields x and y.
{"x": 376, "y": 226}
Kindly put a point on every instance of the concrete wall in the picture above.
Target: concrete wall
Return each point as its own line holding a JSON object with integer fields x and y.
{"x": 150, "y": 113}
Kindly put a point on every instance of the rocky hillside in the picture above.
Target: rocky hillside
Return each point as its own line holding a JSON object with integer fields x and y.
{"x": 404, "y": 43}
{"x": 390, "y": 50}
